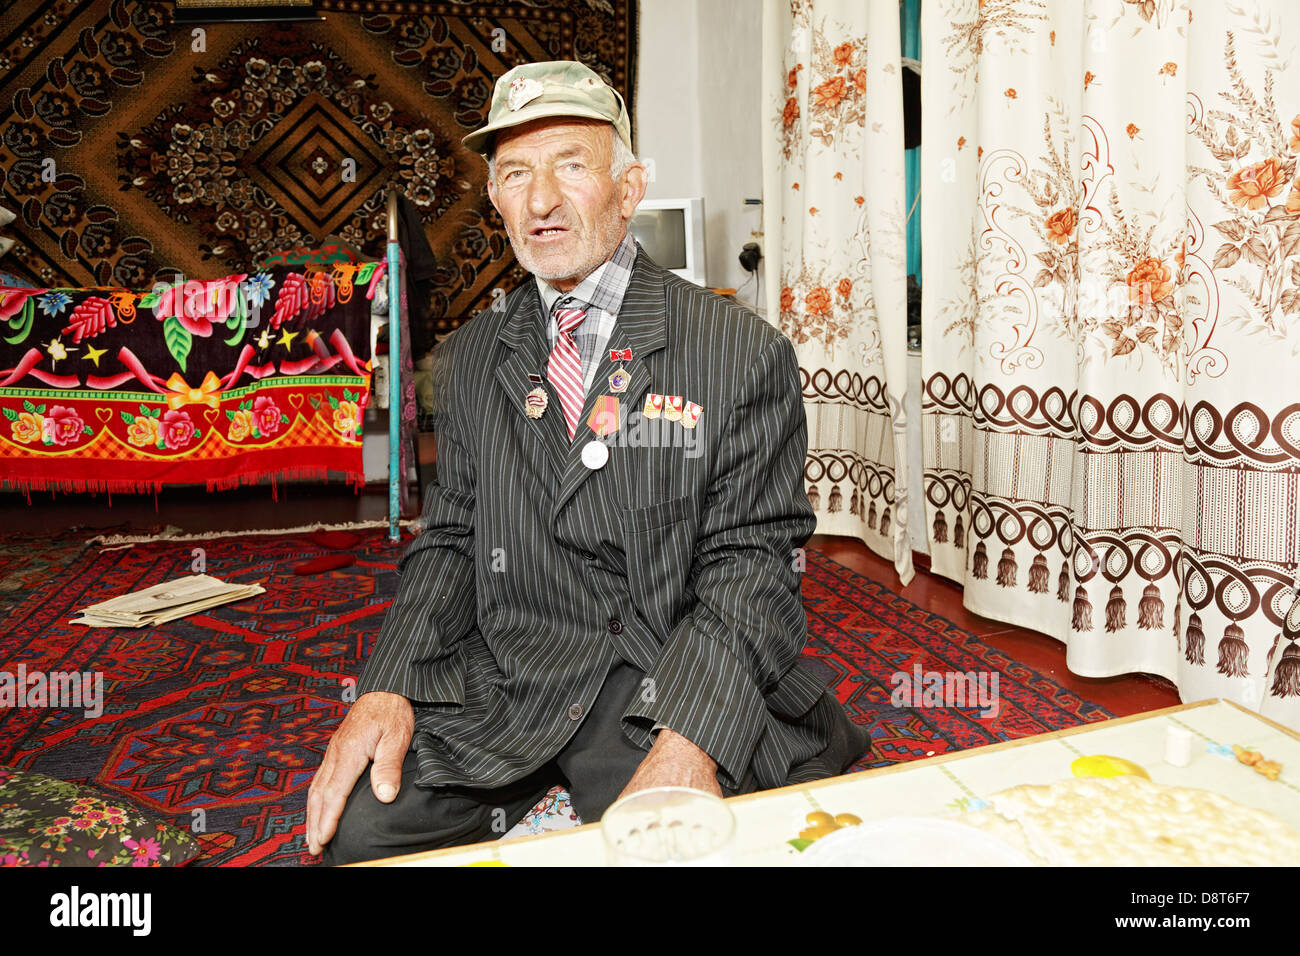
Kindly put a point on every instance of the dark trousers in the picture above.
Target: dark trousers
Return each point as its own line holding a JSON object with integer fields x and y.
{"x": 596, "y": 763}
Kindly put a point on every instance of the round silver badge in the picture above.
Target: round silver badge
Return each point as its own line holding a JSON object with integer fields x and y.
{"x": 595, "y": 454}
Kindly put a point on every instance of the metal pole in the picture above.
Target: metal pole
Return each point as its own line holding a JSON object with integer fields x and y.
{"x": 395, "y": 473}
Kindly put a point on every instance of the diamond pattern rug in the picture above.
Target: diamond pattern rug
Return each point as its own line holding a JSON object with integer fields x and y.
{"x": 136, "y": 149}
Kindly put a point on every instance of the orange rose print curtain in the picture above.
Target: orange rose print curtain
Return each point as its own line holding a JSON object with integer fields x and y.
{"x": 1111, "y": 331}
{"x": 834, "y": 226}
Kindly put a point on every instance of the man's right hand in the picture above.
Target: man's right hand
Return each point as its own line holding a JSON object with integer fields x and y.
{"x": 379, "y": 727}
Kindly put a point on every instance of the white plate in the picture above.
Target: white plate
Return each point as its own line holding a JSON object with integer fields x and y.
{"x": 911, "y": 841}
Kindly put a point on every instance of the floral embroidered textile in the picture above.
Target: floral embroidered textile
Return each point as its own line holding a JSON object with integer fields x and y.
{"x": 222, "y": 381}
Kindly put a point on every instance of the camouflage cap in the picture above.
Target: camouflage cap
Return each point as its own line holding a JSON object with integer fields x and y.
{"x": 556, "y": 88}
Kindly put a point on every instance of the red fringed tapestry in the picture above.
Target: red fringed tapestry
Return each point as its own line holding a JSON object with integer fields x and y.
{"x": 220, "y": 382}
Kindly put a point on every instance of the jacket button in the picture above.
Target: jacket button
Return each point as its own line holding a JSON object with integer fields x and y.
{"x": 615, "y": 626}
{"x": 575, "y": 711}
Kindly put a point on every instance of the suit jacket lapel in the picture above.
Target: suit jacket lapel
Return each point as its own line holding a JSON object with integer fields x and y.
{"x": 523, "y": 332}
{"x": 642, "y": 327}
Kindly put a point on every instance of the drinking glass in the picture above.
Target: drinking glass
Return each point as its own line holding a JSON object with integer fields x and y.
{"x": 668, "y": 826}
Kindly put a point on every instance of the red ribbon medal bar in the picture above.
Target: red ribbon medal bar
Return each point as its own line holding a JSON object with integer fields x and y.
{"x": 603, "y": 419}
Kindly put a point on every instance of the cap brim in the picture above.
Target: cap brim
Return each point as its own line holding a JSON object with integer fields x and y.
{"x": 480, "y": 141}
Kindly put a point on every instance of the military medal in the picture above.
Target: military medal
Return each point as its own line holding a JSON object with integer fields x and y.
{"x": 594, "y": 454}
{"x": 603, "y": 419}
{"x": 620, "y": 355}
{"x": 523, "y": 90}
{"x": 534, "y": 378}
{"x": 691, "y": 414}
{"x": 673, "y": 408}
{"x": 535, "y": 403}
{"x": 618, "y": 380}
{"x": 653, "y": 405}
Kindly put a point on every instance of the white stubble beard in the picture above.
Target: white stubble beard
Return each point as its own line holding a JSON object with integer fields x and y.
{"x": 611, "y": 231}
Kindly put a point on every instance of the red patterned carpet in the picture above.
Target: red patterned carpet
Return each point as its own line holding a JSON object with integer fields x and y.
{"x": 229, "y": 712}
{"x": 861, "y": 635}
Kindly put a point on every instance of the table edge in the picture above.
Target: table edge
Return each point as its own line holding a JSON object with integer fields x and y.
{"x": 492, "y": 845}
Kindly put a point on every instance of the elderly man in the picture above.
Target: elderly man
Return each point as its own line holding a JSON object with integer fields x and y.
{"x": 612, "y": 615}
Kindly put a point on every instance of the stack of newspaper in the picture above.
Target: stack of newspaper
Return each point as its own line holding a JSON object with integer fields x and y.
{"x": 165, "y": 602}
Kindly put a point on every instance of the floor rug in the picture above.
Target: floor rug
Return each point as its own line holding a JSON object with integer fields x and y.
{"x": 870, "y": 645}
{"x": 27, "y": 560}
{"x": 218, "y": 721}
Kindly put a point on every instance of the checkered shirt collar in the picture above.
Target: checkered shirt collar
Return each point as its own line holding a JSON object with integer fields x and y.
{"x": 604, "y": 288}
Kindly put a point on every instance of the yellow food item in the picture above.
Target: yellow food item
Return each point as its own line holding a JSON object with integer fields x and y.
{"x": 1102, "y": 765}
{"x": 1253, "y": 758}
{"x": 817, "y": 832}
{"x": 1248, "y": 757}
{"x": 1269, "y": 768}
{"x": 821, "y": 823}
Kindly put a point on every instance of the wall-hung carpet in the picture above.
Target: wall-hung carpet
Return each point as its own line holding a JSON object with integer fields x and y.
{"x": 229, "y": 712}
{"x": 135, "y": 147}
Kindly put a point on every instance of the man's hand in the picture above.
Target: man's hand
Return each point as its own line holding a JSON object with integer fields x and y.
{"x": 674, "y": 761}
{"x": 378, "y": 727}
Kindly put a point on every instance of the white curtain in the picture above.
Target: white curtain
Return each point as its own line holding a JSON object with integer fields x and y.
{"x": 1111, "y": 331}
{"x": 834, "y": 223}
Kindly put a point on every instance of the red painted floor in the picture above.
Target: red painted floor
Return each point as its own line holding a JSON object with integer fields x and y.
{"x": 1130, "y": 694}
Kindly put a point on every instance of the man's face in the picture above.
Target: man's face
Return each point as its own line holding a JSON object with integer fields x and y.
{"x": 564, "y": 213}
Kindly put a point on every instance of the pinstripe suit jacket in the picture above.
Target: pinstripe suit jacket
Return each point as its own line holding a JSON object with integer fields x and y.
{"x": 535, "y": 575}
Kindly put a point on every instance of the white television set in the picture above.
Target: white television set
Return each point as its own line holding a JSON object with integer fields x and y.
{"x": 672, "y": 233}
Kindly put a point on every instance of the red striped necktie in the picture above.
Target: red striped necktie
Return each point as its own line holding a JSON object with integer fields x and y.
{"x": 564, "y": 369}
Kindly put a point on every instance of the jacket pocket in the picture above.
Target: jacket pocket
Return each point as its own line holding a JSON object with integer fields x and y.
{"x": 481, "y": 666}
{"x": 796, "y": 693}
{"x": 441, "y": 686}
{"x": 465, "y": 676}
{"x": 656, "y": 515}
